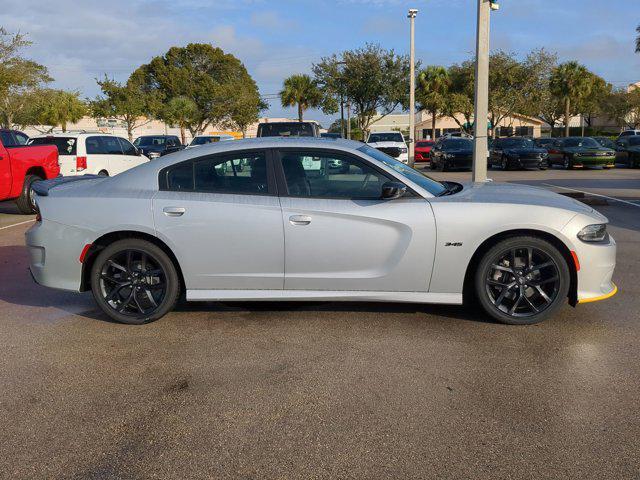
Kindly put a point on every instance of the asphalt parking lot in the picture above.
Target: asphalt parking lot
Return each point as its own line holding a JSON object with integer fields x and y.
{"x": 324, "y": 390}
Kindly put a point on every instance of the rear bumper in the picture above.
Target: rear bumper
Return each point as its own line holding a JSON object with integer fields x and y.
{"x": 54, "y": 251}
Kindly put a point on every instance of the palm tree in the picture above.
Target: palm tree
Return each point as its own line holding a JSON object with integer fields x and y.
{"x": 302, "y": 91}
{"x": 433, "y": 88}
{"x": 569, "y": 83}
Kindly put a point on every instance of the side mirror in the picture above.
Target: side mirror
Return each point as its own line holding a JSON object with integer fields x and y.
{"x": 393, "y": 190}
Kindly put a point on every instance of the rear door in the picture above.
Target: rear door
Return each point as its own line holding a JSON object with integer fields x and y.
{"x": 223, "y": 222}
{"x": 340, "y": 235}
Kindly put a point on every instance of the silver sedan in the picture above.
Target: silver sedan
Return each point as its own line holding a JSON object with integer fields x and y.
{"x": 314, "y": 219}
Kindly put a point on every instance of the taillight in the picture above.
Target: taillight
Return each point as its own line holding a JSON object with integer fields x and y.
{"x": 81, "y": 163}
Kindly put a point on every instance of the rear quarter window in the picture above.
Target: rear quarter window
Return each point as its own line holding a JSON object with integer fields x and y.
{"x": 65, "y": 145}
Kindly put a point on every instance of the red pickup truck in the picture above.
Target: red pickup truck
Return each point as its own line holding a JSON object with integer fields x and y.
{"x": 20, "y": 166}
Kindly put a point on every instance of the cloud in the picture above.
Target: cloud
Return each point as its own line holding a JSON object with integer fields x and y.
{"x": 271, "y": 20}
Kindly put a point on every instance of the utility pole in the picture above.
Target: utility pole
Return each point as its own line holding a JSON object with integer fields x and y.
{"x": 412, "y": 85}
{"x": 342, "y": 129}
{"x": 349, "y": 119}
{"x": 481, "y": 110}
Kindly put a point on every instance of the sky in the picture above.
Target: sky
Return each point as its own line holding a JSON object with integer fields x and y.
{"x": 79, "y": 40}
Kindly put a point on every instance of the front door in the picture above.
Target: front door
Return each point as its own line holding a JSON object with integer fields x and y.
{"x": 221, "y": 217}
{"x": 340, "y": 234}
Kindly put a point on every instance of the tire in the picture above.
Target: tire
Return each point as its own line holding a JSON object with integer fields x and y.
{"x": 25, "y": 202}
{"x": 121, "y": 264}
{"x": 103, "y": 173}
{"x": 523, "y": 295}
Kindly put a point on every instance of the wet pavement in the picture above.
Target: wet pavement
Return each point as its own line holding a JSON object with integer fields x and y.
{"x": 323, "y": 390}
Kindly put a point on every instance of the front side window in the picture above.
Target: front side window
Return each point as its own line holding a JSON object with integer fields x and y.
{"x": 21, "y": 138}
{"x": 242, "y": 173}
{"x": 329, "y": 175}
{"x": 7, "y": 139}
{"x": 126, "y": 147}
{"x": 112, "y": 145}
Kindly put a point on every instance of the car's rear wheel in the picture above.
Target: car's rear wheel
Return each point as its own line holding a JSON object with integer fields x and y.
{"x": 103, "y": 173}
{"x": 134, "y": 281}
{"x": 26, "y": 201}
{"x": 522, "y": 280}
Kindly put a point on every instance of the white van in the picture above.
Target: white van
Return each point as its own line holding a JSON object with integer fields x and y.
{"x": 92, "y": 153}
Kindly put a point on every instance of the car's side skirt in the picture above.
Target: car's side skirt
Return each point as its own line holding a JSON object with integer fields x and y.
{"x": 324, "y": 295}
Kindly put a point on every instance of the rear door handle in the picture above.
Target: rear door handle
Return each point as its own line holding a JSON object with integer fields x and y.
{"x": 299, "y": 219}
{"x": 174, "y": 211}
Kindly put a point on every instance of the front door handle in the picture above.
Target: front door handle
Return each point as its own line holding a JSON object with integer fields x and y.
{"x": 174, "y": 211}
{"x": 299, "y": 219}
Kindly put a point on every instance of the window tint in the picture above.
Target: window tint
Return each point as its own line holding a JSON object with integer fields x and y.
{"x": 126, "y": 147}
{"x": 65, "y": 145}
{"x": 243, "y": 173}
{"x": 94, "y": 145}
{"x": 325, "y": 175}
{"x": 21, "y": 138}
{"x": 7, "y": 139}
{"x": 180, "y": 177}
{"x": 111, "y": 145}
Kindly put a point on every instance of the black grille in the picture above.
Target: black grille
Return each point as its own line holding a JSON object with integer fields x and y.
{"x": 391, "y": 151}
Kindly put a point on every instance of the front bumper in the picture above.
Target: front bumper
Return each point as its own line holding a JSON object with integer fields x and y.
{"x": 597, "y": 264}
{"x": 594, "y": 161}
{"x": 528, "y": 163}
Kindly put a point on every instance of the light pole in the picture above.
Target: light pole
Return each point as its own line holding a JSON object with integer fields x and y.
{"x": 348, "y": 119}
{"x": 341, "y": 99}
{"x": 412, "y": 84}
{"x": 480, "y": 145}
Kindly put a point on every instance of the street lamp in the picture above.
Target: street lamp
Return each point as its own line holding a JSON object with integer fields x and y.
{"x": 480, "y": 144}
{"x": 412, "y": 84}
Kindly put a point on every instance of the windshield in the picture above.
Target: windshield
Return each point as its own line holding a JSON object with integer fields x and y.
{"x": 385, "y": 137}
{"x": 517, "y": 143}
{"x": 458, "y": 143}
{"x": 635, "y": 140}
{"x": 581, "y": 142}
{"x": 297, "y": 129}
{"x": 424, "y": 144}
{"x": 204, "y": 140}
{"x": 149, "y": 141}
{"x": 65, "y": 145}
{"x": 430, "y": 185}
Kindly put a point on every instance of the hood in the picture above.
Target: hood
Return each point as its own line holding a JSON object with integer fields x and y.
{"x": 524, "y": 151}
{"x": 494, "y": 192}
{"x": 459, "y": 151}
{"x": 387, "y": 144}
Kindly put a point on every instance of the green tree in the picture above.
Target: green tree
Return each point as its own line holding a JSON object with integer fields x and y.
{"x": 210, "y": 78}
{"x": 19, "y": 77}
{"x": 375, "y": 80}
{"x": 594, "y": 104}
{"x": 54, "y": 108}
{"x": 433, "y": 91}
{"x": 540, "y": 102}
{"x": 129, "y": 102}
{"x": 179, "y": 111}
{"x": 246, "y": 109}
{"x": 569, "y": 83}
{"x": 301, "y": 91}
{"x": 460, "y": 99}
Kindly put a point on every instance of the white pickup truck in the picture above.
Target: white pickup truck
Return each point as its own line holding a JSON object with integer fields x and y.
{"x": 391, "y": 143}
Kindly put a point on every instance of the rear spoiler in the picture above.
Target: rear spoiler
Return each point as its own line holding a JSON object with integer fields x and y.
{"x": 42, "y": 187}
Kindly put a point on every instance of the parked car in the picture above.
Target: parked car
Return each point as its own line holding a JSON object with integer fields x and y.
{"x": 572, "y": 152}
{"x": 154, "y": 146}
{"x": 21, "y": 166}
{"x": 422, "y": 150}
{"x": 391, "y": 143}
{"x": 517, "y": 152}
{"x": 288, "y": 129}
{"x": 546, "y": 142}
{"x": 200, "y": 140}
{"x": 605, "y": 142}
{"x": 522, "y": 251}
{"x": 628, "y": 133}
{"x": 92, "y": 153}
{"x": 452, "y": 153}
{"x": 628, "y": 151}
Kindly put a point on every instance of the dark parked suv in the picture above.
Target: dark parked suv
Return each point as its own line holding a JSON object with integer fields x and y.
{"x": 288, "y": 129}
{"x": 154, "y": 146}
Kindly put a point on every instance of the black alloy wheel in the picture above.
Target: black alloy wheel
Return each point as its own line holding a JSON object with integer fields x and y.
{"x": 134, "y": 281}
{"x": 522, "y": 280}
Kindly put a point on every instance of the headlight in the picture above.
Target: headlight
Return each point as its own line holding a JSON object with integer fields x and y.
{"x": 448, "y": 155}
{"x": 593, "y": 233}
{"x": 544, "y": 155}
{"x": 154, "y": 154}
{"x": 403, "y": 150}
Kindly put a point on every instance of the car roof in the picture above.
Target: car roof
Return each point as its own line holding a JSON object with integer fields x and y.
{"x": 72, "y": 134}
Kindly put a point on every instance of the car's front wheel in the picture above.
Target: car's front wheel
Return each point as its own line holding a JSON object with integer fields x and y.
{"x": 522, "y": 280}
{"x": 134, "y": 281}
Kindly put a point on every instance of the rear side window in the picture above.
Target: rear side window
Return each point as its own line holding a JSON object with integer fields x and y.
{"x": 21, "y": 138}
{"x": 65, "y": 145}
{"x": 180, "y": 177}
{"x": 232, "y": 174}
{"x": 94, "y": 146}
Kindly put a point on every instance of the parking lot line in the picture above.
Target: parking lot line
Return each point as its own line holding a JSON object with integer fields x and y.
{"x": 16, "y": 224}
{"x": 594, "y": 194}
